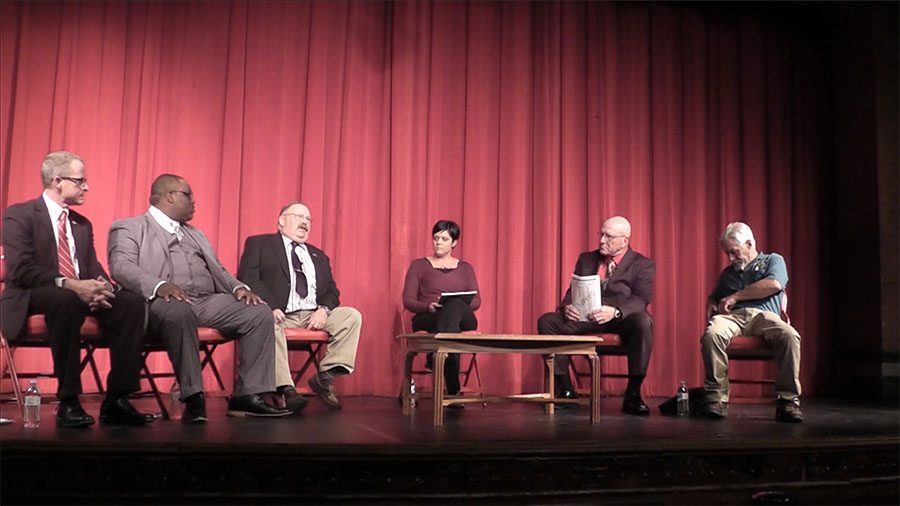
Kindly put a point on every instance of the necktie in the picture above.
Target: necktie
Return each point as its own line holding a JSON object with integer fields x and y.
{"x": 63, "y": 253}
{"x": 299, "y": 277}
{"x": 178, "y": 233}
{"x": 610, "y": 268}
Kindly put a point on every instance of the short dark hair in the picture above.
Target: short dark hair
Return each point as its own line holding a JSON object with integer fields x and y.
{"x": 450, "y": 226}
{"x": 161, "y": 185}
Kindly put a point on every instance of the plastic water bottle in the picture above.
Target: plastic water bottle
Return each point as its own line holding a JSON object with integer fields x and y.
{"x": 684, "y": 405}
{"x": 32, "y": 413}
{"x": 412, "y": 392}
{"x": 175, "y": 405}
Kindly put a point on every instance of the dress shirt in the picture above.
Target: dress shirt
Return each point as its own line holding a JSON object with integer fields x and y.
{"x": 55, "y": 210}
{"x": 295, "y": 303}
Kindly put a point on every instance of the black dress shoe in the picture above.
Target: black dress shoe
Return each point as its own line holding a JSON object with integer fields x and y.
{"x": 71, "y": 415}
{"x": 253, "y": 405}
{"x": 194, "y": 409}
{"x": 567, "y": 394}
{"x": 455, "y": 406}
{"x": 634, "y": 405}
{"x": 293, "y": 401}
{"x": 119, "y": 411}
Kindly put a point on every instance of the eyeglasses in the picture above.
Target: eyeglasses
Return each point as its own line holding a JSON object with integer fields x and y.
{"x": 610, "y": 237}
{"x": 80, "y": 181}
{"x": 189, "y": 195}
{"x": 301, "y": 216}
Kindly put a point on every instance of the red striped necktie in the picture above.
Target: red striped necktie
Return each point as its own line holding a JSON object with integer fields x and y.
{"x": 64, "y": 254}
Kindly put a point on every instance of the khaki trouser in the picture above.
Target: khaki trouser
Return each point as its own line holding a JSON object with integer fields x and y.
{"x": 783, "y": 338}
{"x": 342, "y": 326}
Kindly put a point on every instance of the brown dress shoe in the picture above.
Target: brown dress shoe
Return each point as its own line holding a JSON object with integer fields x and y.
{"x": 788, "y": 411}
{"x": 324, "y": 393}
{"x": 714, "y": 410}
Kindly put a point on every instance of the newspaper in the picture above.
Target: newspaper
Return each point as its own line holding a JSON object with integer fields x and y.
{"x": 585, "y": 295}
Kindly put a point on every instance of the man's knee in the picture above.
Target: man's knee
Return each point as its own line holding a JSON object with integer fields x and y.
{"x": 548, "y": 324}
{"x": 172, "y": 312}
{"x": 714, "y": 337}
{"x": 641, "y": 323}
{"x": 68, "y": 307}
{"x": 788, "y": 337}
{"x": 351, "y": 315}
{"x": 260, "y": 314}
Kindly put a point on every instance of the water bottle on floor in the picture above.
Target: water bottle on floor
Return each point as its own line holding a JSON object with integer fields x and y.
{"x": 684, "y": 405}
{"x": 32, "y": 414}
{"x": 175, "y": 405}
{"x": 412, "y": 392}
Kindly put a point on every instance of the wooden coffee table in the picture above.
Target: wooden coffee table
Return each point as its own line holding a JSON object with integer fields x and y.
{"x": 548, "y": 346}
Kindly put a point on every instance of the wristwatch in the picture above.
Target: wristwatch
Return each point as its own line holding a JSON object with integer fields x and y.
{"x": 327, "y": 310}
{"x": 618, "y": 313}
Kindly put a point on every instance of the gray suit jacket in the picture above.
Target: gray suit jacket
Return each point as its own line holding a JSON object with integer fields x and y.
{"x": 139, "y": 255}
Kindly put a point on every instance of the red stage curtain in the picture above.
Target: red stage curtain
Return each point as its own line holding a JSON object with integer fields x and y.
{"x": 528, "y": 123}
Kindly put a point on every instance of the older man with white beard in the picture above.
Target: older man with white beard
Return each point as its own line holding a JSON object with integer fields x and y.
{"x": 747, "y": 300}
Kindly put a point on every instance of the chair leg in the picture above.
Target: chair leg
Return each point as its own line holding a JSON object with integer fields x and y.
{"x": 154, "y": 389}
{"x": 405, "y": 394}
{"x": 88, "y": 360}
{"x": 11, "y": 370}
{"x": 473, "y": 367}
{"x": 312, "y": 359}
{"x": 208, "y": 350}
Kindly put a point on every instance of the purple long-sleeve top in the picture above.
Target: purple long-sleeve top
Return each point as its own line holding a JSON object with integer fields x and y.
{"x": 424, "y": 284}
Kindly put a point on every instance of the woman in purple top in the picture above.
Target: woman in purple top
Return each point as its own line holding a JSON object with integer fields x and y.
{"x": 427, "y": 278}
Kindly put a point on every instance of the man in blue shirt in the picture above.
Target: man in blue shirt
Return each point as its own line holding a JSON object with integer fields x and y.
{"x": 747, "y": 300}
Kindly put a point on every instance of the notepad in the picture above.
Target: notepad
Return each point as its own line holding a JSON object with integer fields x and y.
{"x": 465, "y": 296}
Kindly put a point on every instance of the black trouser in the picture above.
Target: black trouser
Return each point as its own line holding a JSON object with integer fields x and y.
{"x": 455, "y": 316}
{"x": 635, "y": 329}
{"x": 122, "y": 326}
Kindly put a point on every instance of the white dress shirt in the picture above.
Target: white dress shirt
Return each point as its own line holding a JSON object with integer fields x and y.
{"x": 55, "y": 210}
{"x": 295, "y": 303}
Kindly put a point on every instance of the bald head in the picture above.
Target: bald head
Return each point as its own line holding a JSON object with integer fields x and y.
{"x": 615, "y": 235}
{"x": 619, "y": 224}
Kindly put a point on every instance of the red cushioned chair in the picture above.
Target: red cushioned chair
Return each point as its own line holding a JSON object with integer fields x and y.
{"x": 34, "y": 337}
{"x": 611, "y": 346}
{"x": 309, "y": 342}
{"x": 210, "y": 339}
{"x": 754, "y": 348}
{"x": 466, "y": 374}
{"x": 741, "y": 348}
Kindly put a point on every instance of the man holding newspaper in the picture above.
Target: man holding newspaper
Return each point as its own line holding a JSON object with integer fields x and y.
{"x": 612, "y": 287}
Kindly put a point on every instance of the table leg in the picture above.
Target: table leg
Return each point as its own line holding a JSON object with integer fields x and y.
{"x": 407, "y": 378}
{"x": 595, "y": 388}
{"x": 550, "y": 383}
{"x": 439, "y": 358}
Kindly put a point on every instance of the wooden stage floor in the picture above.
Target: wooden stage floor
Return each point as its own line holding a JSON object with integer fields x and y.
{"x": 503, "y": 453}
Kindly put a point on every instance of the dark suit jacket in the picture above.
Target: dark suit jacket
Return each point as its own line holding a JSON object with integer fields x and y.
{"x": 630, "y": 288}
{"x": 31, "y": 258}
{"x": 264, "y": 267}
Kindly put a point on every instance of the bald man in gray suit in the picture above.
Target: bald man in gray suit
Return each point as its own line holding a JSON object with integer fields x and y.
{"x": 173, "y": 266}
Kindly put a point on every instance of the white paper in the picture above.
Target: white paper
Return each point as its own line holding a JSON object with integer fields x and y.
{"x": 586, "y": 295}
